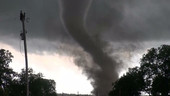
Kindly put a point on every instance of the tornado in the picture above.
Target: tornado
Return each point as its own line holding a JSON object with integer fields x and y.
{"x": 73, "y": 15}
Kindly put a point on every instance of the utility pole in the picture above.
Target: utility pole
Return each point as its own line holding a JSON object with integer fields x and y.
{"x": 23, "y": 37}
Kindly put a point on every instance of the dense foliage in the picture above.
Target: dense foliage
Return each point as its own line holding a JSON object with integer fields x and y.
{"x": 128, "y": 85}
{"x": 152, "y": 77}
{"x": 14, "y": 84}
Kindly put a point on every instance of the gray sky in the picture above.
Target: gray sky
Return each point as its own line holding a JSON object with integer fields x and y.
{"x": 113, "y": 20}
{"x": 116, "y": 26}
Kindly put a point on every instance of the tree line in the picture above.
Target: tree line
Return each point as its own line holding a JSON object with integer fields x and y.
{"x": 14, "y": 84}
{"x": 151, "y": 77}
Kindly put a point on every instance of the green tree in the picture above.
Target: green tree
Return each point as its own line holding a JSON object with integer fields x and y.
{"x": 156, "y": 63}
{"x": 128, "y": 85}
{"x": 42, "y": 87}
{"x": 6, "y": 73}
{"x": 14, "y": 84}
{"x": 37, "y": 84}
{"x": 160, "y": 85}
{"x": 152, "y": 77}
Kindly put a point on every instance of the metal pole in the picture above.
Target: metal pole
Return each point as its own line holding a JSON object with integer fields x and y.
{"x": 23, "y": 37}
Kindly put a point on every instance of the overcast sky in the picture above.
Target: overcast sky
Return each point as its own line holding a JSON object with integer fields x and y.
{"x": 121, "y": 29}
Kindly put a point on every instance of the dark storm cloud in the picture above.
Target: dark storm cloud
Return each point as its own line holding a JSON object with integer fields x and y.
{"x": 130, "y": 20}
{"x": 111, "y": 20}
{"x": 108, "y": 27}
{"x": 43, "y": 23}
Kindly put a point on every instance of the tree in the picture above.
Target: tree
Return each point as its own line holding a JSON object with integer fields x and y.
{"x": 6, "y": 73}
{"x": 128, "y": 85}
{"x": 38, "y": 85}
{"x": 156, "y": 63}
{"x": 42, "y": 87}
{"x": 160, "y": 85}
{"x": 14, "y": 84}
{"x": 152, "y": 77}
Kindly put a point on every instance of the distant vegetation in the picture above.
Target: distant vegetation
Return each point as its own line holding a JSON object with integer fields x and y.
{"x": 14, "y": 84}
{"x": 152, "y": 77}
{"x": 66, "y": 94}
